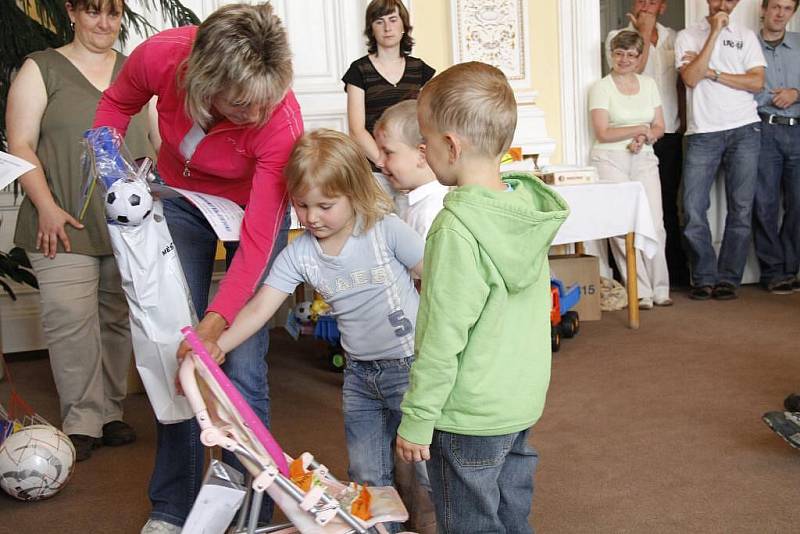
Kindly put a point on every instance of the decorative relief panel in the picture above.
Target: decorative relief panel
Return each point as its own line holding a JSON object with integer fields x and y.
{"x": 493, "y": 32}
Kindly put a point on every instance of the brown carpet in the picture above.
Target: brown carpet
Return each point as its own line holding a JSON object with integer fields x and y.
{"x": 655, "y": 430}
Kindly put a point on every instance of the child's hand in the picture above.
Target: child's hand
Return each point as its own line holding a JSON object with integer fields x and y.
{"x": 412, "y": 452}
{"x": 215, "y": 352}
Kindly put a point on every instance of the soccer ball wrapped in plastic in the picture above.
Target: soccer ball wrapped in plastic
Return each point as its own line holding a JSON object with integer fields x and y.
{"x": 128, "y": 202}
{"x": 36, "y": 462}
{"x": 303, "y": 312}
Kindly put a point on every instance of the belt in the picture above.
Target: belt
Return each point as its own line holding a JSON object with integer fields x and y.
{"x": 780, "y": 119}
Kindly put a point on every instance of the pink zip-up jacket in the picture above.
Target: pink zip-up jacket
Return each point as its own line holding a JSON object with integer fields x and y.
{"x": 243, "y": 164}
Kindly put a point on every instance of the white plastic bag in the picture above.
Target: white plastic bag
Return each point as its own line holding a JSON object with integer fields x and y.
{"x": 160, "y": 305}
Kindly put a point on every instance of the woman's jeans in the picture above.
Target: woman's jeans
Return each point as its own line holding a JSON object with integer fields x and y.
{"x": 736, "y": 152}
{"x": 482, "y": 484}
{"x": 178, "y": 471}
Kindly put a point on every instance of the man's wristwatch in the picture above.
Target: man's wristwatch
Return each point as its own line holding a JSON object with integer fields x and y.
{"x": 717, "y": 74}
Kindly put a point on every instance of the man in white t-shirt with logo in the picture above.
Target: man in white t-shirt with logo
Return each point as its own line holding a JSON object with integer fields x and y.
{"x": 658, "y": 61}
{"x": 722, "y": 66}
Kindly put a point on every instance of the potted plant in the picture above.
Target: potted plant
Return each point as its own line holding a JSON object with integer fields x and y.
{"x": 16, "y": 266}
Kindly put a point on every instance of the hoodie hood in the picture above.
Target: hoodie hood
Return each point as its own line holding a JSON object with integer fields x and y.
{"x": 514, "y": 228}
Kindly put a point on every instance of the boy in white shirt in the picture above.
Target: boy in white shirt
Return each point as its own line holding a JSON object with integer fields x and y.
{"x": 404, "y": 165}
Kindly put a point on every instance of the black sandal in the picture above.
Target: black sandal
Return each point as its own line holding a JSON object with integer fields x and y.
{"x": 701, "y": 292}
{"x": 724, "y": 291}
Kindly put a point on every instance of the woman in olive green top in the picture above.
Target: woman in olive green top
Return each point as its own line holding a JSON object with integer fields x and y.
{"x": 84, "y": 312}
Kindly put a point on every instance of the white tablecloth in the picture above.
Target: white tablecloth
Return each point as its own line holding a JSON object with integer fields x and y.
{"x": 602, "y": 210}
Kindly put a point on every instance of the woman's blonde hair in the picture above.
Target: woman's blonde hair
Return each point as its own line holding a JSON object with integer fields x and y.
{"x": 333, "y": 162}
{"x": 242, "y": 51}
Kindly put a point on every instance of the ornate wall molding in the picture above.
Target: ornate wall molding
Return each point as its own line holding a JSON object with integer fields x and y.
{"x": 494, "y": 32}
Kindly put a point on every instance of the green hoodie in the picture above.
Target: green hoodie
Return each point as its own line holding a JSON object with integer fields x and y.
{"x": 483, "y": 329}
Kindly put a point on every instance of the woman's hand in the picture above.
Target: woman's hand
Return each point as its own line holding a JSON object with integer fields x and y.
{"x": 650, "y": 137}
{"x": 209, "y": 330}
{"x": 52, "y": 221}
{"x": 636, "y": 144}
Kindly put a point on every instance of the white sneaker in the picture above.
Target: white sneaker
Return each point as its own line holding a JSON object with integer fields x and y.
{"x": 646, "y": 303}
{"x": 157, "y": 526}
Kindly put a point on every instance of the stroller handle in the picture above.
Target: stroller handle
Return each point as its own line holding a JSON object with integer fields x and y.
{"x": 259, "y": 430}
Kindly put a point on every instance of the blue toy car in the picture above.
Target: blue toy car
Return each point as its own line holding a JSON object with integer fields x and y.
{"x": 563, "y": 320}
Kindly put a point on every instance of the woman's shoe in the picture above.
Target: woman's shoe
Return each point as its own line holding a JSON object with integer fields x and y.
{"x": 646, "y": 303}
{"x": 663, "y": 302}
{"x": 118, "y": 433}
{"x": 83, "y": 446}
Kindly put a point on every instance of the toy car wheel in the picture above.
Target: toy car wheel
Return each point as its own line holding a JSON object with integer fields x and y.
{"x": 567, "y": 327}
{"x": 575, "y": 319}
{"x": 555, "y": 339}
{"x": 337, "y": 361}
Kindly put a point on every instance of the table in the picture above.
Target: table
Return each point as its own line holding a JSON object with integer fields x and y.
{"x": 610, "y": 209}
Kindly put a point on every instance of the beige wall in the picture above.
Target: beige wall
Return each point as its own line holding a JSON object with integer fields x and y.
{"x": 431, "y": 19}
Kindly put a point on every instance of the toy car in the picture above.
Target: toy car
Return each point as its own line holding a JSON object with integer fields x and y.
{"x": 563, "y": 321}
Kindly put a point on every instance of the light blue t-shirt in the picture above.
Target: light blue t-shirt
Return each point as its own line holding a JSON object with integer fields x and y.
{"x": 368, "y": 286}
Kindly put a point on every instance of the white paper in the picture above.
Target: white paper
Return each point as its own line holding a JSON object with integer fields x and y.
{"x": 224, "y": 216}
{"x": 11, "y": 168}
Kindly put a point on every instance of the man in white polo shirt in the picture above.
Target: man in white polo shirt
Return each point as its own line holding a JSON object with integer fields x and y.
{"x": 722, "y": 66}
{"x": 657, "y": 60}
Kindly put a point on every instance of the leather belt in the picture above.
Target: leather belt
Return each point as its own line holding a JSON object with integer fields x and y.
{"x": 780, "y": 119}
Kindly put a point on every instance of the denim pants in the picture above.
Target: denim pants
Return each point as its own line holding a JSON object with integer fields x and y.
{"x": 736, "y": 152}
{"x": 482, "y": 484}
{"x": 178, "y": 471}
{"x": 669, "y": 151}
{"x": 371, "y": 397}
{"x": 778, "y": 243}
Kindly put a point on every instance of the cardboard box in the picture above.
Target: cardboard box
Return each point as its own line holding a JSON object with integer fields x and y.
{"x": 583, "y": 270}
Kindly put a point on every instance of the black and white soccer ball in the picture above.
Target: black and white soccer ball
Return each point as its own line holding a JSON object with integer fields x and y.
{"x": 36, "y": 462}
{"x": 128, "y": 202}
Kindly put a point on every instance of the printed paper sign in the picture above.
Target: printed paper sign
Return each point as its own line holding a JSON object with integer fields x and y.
{"x": 11, "y": 168}
{"x": 224, "y": 216}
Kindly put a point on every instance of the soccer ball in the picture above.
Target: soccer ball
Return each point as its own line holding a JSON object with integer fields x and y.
{"x": 303, "y": 312}
{"x": 128, "y": 202}
{"x": 35, "y": 462}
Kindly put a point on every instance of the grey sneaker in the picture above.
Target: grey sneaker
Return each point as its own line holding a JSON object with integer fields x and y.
{"x": 157, "y": 526}
{"x": 786, "y": 425}
{"x": 782, "y": 287}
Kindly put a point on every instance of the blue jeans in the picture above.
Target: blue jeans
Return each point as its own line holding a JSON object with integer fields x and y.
{"x": 178, "y": 471}
{"x": 482, "y": 484}
{"x": 736, "y": 152}
{"x": 778, "y": 243}
{"x": 371, "y": 397}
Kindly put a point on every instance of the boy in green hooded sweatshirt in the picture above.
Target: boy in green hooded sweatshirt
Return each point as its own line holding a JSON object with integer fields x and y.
{"x": 483, "y": 330}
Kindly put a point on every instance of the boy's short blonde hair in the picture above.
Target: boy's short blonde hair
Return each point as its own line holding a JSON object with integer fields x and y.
{"x": 333, "y": 162}
{"x": 241, "y": 48}
{"x": 401, "y": 119}
{"x": 474, "y": 101}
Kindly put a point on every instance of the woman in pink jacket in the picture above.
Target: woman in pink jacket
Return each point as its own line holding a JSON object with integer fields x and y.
{"x": 228, "y": 122}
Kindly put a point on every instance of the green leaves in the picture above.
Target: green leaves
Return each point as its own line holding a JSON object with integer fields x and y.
{"x": 16, "y": 266}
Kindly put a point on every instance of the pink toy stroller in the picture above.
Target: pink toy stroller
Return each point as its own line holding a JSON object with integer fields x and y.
{"x": 327, "y": 506}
